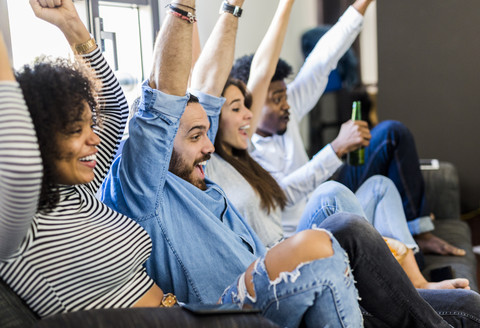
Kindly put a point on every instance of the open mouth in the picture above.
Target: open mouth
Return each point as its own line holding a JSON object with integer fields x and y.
{"x": 89, "y": 161}
{"x": 200, "y": 166}
{"x": 243, "y": 129}
{"x": 89, "y": 158}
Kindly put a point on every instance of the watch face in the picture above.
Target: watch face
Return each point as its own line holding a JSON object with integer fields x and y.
{"x": 169, "y": 300}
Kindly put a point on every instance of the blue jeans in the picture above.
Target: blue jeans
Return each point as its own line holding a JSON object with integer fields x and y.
{"x": 392, "y": 153}
{"x": 377, "y": 200}
{"x": 319, "y": 293}
{"x": 385, "y": 291}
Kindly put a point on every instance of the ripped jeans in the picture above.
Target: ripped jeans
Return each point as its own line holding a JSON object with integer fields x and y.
{"x": 314, "y": 292}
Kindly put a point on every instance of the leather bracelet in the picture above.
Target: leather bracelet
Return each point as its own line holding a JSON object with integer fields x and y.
{"x": 85, "y": 48}
{"x": 180, "y": 4}
{"x": 231, "y": 9}
{"x": 183, "y": 14}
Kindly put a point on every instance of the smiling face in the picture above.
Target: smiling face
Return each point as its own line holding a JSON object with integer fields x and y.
{"x": 235, "y": 120}
{"x": 77, "y": 151}
{"x": 275, "y": 112}
{"x": 191, "y": 146}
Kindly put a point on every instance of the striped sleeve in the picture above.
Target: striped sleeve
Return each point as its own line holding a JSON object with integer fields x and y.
{"x": 20, "y": 169}
{"x": 113, "y": 115}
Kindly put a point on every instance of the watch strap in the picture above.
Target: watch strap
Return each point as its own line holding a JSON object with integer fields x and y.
{"x": 231, "y": 9}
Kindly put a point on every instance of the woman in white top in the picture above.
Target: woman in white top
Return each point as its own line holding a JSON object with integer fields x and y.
{"x": 61, "y": 249}
{"x": 253, "y": 191}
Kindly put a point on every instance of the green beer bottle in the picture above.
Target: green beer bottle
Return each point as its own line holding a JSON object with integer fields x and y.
{"x": 356, "y": 157}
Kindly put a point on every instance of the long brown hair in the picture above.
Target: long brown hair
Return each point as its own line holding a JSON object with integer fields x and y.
{"x": 271, "y": 195}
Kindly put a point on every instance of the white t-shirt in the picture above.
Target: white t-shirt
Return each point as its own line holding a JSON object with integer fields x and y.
{"x": 284, "y": 156}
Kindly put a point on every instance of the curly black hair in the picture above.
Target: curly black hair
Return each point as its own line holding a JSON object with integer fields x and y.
{"x": 55, "y": 91}
{"x": 241, "y": 69}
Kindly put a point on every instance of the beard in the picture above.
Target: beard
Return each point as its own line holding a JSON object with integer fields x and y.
{"x": 184, "y": 171}
{"x": 282, "y": 131}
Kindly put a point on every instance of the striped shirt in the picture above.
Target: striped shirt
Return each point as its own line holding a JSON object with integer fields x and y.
{"x": 81, "y": 255}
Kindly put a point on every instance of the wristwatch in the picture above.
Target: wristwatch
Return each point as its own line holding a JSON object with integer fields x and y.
{"x": 169, "y": 300}
{"x": 231, "y": 9}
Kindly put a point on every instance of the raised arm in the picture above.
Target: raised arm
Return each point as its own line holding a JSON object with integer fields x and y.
{"x": 309, "y": 84}
{"x": 215, "y": 62}
{"x": 62, "y": 13}
{"x": 111, "y": 100}
{"x": 265, "y": 60}
{"x": 20, "y": 162}
{"x": 134, "y": 185}
{"x": 6, "y": 73}
{"x": 172, "y": 54}
{"x": 361, "y": 5}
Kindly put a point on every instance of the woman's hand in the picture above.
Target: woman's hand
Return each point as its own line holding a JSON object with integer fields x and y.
{"x": 63, "y": 14}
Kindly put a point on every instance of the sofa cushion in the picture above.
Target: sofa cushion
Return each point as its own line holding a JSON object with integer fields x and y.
{"x": 151, "y": 317}
{"x": 13, "y": 311}
{"x": 458, "y": 234}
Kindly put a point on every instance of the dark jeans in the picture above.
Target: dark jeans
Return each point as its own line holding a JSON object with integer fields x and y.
{"x": 385, "y": 290}
{"x": 391, "y": 153}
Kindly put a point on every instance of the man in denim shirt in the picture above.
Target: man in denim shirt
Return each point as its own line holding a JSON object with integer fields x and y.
{"x": 202, "y": 246}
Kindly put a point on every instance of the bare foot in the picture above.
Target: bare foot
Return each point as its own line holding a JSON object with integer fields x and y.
{"x": 459, "y": 283}
{"x": 429, "y": 243}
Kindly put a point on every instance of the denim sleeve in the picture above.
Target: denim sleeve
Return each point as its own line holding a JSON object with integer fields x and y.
{"x": 136, "y": 182}
{"x": 213, "y": 106}
{"x": 420, "y": 225}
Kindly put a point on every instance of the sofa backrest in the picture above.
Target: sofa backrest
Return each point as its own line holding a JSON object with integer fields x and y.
{"x": 13, "y": 311}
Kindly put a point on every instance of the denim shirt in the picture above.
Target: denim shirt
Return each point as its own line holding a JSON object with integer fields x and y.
{"x": 200, "y": 242}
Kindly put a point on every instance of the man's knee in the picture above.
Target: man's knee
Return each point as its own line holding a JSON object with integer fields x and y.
{"x": 303, "y": 247}
{"x": 332, "y": 193}
{"x": 312, "y": 245}
{"x": 331, "y": 187}
{"x": 378, "y": 183}
{"x": 349, "y": 227}
{"x": 392, "y": 127}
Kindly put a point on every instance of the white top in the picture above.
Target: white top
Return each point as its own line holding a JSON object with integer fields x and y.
{"x": 246, "y": 200}
{"x": 284, "y": 156}
{"x": 81, "y": 255}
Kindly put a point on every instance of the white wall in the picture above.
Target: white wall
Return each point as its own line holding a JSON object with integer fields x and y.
{"x": 368, "y": 47}
{"x": 254, "y": 22}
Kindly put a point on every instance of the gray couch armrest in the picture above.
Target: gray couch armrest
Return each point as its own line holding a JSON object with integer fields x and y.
{"x": 443, "y": 194}
{"x": 443, "y": 191}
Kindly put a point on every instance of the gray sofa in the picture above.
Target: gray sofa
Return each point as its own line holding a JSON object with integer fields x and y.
{"x": 443, "y": 195}
{"x": 15, "y": 314}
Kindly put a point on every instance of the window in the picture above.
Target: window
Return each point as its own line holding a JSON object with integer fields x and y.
{"x": 124, "y": 29}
